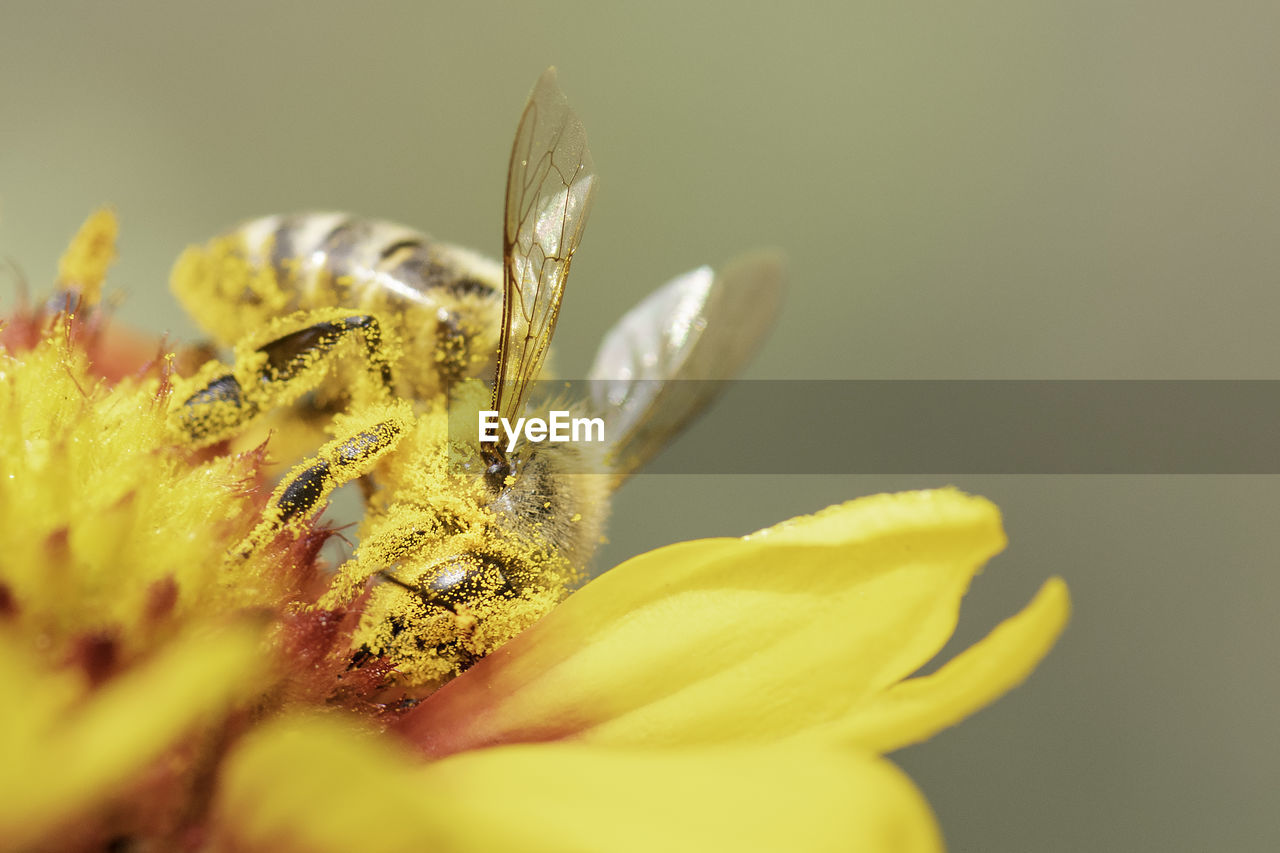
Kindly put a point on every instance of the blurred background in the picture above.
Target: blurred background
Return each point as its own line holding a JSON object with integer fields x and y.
{"x": 985, "y": 190}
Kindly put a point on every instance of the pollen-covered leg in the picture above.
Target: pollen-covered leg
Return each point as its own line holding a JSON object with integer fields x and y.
{"x": 219, "y": 400}
{"x": 309, "y": 485}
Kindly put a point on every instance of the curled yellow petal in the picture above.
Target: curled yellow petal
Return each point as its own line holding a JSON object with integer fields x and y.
{"x": 61, "y": 757}
{"x": 731, "y": 640}
{"x": 83, "y": 266}
{"x": 916, "y": 708}
{"x": 312, "y": 785}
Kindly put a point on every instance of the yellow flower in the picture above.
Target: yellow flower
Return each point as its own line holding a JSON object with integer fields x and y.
{"x": 719, "y": 694}
{"x": 731, "y": 694}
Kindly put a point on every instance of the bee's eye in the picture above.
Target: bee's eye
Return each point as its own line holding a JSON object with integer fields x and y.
{"x": 468, "y": 577}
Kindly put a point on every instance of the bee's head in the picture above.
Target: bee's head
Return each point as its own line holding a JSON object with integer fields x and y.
{"x": 436, "y": 613}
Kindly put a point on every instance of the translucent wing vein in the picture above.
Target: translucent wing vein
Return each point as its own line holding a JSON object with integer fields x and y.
{"x": 549, "y": 185}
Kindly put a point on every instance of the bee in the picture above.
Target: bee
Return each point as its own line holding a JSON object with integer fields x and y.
{"x": 381, "y": 332}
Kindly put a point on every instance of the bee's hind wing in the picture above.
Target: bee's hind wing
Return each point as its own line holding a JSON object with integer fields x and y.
{"x": 668, "y": 357}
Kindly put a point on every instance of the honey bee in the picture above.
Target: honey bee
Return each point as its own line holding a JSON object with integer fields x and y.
{"x": 380, "y": 331}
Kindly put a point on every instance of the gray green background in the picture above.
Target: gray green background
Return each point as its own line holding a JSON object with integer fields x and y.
{"x": 975, "y": 190}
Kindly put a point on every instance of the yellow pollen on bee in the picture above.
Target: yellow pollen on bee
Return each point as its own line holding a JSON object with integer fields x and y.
{"x": 228, "y": 293}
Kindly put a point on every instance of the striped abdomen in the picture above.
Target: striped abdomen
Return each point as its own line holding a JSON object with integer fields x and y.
{"x": 443, "y": 302}
{"x": 381, "y": 260}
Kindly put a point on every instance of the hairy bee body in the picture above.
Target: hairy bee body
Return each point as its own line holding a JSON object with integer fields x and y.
{"x": 444, "y": 304}
{"x": 373, "y": 331}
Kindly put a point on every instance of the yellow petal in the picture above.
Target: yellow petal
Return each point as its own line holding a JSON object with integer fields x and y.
{"x": 917, "y": 708}
{"x": 62, "y": 759}
{"x": 311, "y": 785}
{"x": 731, "y": 640}
{"x": 559, "y": 797}
{"x": 305, "y": 783}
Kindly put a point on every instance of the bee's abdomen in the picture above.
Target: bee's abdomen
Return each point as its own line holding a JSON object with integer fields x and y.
{"x": 337, "y": 259}
{"x": 443, "y": 302}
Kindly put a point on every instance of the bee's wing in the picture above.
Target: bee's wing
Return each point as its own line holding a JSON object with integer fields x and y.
{"x": 663, "y": 362}
{"x": 549, "y": 186}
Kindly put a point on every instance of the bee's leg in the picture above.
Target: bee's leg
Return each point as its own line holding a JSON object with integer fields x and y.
{"x": 379, "y": 554}
{"x": 308, "y": 486}
{"x": 219, "y": 400}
